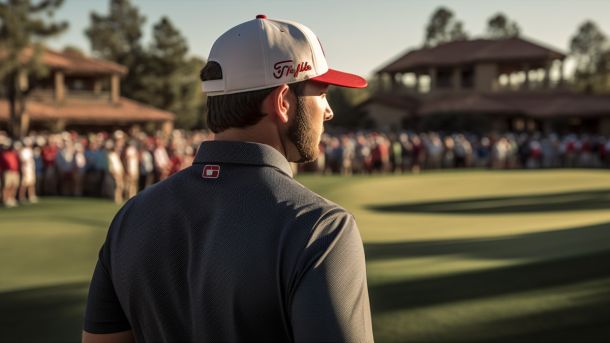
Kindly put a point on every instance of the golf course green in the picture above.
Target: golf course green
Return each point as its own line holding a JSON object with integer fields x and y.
{"x": 451, "y": 256}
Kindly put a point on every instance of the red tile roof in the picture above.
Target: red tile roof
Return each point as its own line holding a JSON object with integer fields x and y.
{"x": 73, "y": 63}
{"x": 90, "y": 111}
{"x": 471, "y": 51}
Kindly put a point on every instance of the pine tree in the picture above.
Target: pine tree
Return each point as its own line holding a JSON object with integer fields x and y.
{"x": 443, "y": 28}
{"x": 22, "y": 24}
{"x": 499, "y": 27}
{"x": 588, "y": 46}
{"x": 171, "y": 79}
{"x": 117, "y": 37}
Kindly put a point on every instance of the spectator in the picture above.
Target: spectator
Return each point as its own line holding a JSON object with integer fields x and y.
{"x": 161, "y": 160}
{"x": 115, "y": 170}
{"x": 10, "y": 176}
{"x": 132, "y": 169}
{"x": 27, "y": 189}
{"x": 49, "y": 155}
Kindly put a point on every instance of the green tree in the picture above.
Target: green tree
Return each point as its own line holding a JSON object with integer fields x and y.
{"x": 443, "y": 27}
{"x": 604, "y": 68}
{"x": 499, "y": 27}
{"x": 117, "y": 37}
{"x": 171, "y": 79}
{"x": 23, "y": 23}
{"x": 588, "y": 47}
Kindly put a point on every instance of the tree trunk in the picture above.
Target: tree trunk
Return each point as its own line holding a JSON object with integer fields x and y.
{"x": 16, "y": 106}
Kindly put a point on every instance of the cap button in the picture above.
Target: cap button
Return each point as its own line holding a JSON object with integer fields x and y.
{"x": 261, "y": 16}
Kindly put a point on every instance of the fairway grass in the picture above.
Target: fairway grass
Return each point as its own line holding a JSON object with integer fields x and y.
{"x": 451, "y": 256}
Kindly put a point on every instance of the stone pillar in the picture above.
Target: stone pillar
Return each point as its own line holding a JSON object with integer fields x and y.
{"x": 393, "y": 83}
{"x": 115, "y": 88}
{"x": 526, "y": 84}
{"x": 60, "y": 88}
{"x": 561, "y": 77}
{"x": 457, "y": 79}
{"x": 25, "y": 124}
{"x": 547, "y": 76}
{"x": 432, "y": 72}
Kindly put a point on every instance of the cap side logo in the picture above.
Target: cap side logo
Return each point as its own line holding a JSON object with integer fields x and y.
{"x": 211, "y": 171}
{"x": 286, "y": 68}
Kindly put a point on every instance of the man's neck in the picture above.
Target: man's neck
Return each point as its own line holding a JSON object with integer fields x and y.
{"x": 255, "y": 134}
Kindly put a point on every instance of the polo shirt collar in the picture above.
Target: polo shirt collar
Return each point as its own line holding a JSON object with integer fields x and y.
{"x": 236, "y": 152}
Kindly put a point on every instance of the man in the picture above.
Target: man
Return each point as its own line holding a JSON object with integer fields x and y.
{"x": 233, "y": 248}
{"x": 28, "y": 172}
{"x": 116, "y": 169}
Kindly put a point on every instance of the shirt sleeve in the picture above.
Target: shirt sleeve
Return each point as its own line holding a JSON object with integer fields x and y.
{"x": 104, "y": 313}
{"x": 331, "y": 301}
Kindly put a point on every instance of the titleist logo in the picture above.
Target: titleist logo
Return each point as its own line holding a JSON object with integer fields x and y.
{"x": 285, "y": 68}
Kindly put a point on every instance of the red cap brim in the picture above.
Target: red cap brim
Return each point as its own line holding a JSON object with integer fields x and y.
{"x": 339, "y": 78}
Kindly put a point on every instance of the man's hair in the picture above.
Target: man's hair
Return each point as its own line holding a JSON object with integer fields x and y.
{"x": 236, "y": 110}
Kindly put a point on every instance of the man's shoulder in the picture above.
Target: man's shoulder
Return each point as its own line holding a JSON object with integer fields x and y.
{"x": 302, "y": 195}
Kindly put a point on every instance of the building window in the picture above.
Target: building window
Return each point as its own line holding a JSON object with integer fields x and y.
{"x": 467, "y": 78}
{"x": 443, "y": 78}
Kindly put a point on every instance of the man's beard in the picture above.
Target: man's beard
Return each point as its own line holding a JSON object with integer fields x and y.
{"x": 301, "y": 134}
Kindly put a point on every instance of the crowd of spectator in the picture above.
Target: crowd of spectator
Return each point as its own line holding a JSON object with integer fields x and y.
{"x": 375, "y": 152}
{"x": 117, "y": 165}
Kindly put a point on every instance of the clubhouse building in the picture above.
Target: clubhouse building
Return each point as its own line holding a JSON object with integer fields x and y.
{"x": 483, "y": 85}
{"x": 84, "y": 94}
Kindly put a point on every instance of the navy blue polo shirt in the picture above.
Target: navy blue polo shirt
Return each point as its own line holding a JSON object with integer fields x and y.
{"x": 231, "y": 249}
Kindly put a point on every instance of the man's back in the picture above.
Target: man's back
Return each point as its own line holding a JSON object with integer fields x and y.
{"x": 232, "y": 249}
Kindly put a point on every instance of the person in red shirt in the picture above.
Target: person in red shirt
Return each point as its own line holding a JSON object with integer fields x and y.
{"x": 49, "y": 153}
{"x": 10, "y": 176}
{"x": 175, "y": 159}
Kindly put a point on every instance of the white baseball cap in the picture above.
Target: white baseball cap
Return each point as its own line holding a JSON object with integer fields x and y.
{"x": 264, "y": 53}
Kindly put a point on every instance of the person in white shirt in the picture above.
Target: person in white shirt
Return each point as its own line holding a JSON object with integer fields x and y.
{"x": 116, "y": 171}
{"x": 28, "y": 172}
{"x": 132, "y": 174}
{"x": 162, "y": 161}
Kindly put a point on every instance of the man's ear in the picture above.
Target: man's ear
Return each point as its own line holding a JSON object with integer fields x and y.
{"x": 278, "y": 103}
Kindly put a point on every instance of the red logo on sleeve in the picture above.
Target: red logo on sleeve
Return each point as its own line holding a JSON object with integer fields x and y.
{"x": 211, "y": 171}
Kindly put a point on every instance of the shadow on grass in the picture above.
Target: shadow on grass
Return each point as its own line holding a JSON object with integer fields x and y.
{"x": 554, "y": 202}
{"x": 45, "y": 314}
{"x": 556, "y": 258}
{"x": 409, "y": 294}
{"x": 586, "y": 322}
{"x": 524, "y": 246}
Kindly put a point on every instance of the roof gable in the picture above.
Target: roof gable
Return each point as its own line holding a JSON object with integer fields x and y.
{"x": 472, "y": 51}
{"x": 73, "y": 63}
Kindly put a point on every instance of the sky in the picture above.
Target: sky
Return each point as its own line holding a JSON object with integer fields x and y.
{"x": 358, "y": 36}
